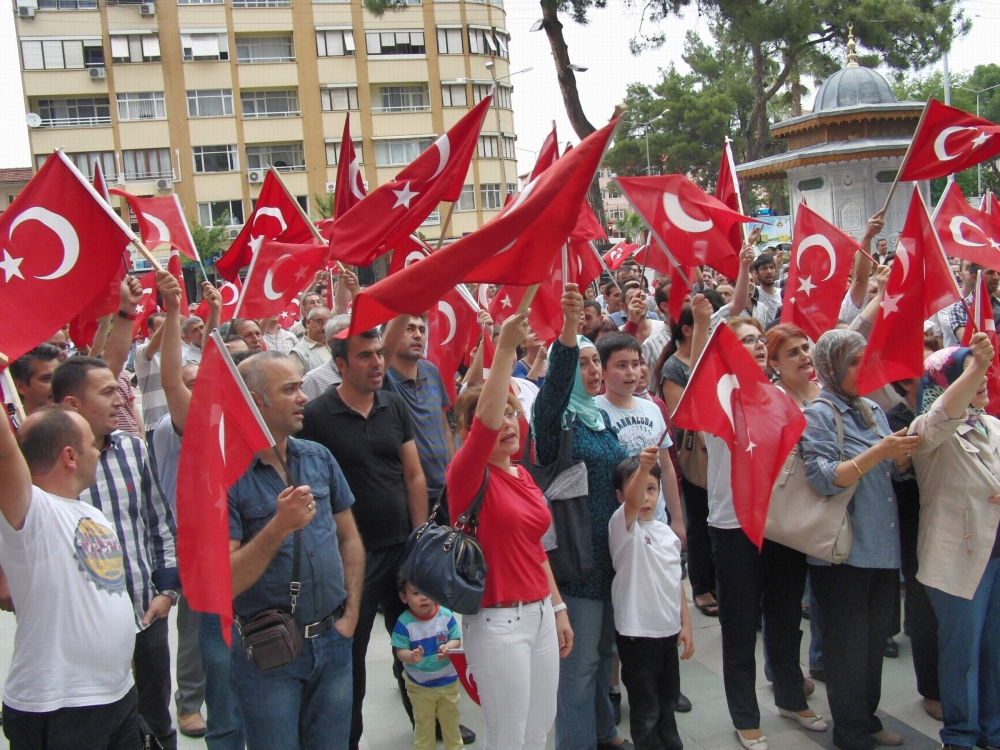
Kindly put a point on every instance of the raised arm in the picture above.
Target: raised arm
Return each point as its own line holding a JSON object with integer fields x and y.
{"x": 178, "y": 395}
{"x": 862, "y": 265}
{"x": 474, "y": 375}
{"x": 347, "y": 289}
{"x": 393, "y": 337}
{"x": 866, "y": 319}
{"x": 701, "y": 308}
{"x": 959, "y": 395}
{"x": 213, "y": 297}
{"x": 741, "y": 287}
{"x": 635, "y": 491}
{"x": 15, "y": 479}
{"x": 120, "y": 339}
{"x": 493, "y": 400}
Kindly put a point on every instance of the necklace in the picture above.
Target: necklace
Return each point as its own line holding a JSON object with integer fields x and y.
{"x": 793, "y": 392}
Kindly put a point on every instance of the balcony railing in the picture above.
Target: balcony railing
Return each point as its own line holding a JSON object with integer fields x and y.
{"x": 67, "y": 4}
{"x": 142, "y": 109}
{"x": 147, "y": 176}
{"x": 402, "y": 108}
{"x": 76, "y": 122}
{"x": 266, "y": 115}
{"x": 262, "y": 3}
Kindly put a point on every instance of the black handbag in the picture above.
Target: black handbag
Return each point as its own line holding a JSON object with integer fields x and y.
{"x": 569, "y": 541}
{"x": 446, "y": 563}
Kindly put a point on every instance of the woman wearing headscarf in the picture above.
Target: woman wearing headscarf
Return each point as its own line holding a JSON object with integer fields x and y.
{"x": 856, "y": 597}
{"x": 584, "y": 716}
{"x": 958, "y": 548}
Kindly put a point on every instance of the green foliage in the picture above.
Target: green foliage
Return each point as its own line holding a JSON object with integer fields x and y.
{"x": 207, "y": 241}
{"x": 324, "y": 206}
{"x": 630, "y": 227}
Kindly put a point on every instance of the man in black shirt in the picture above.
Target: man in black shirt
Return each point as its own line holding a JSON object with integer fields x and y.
{"x": 370, "y": 433}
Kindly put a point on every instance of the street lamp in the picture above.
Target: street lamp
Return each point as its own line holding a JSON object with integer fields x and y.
{"x": 979, "y": 167}
{"x": 646, "y": 126}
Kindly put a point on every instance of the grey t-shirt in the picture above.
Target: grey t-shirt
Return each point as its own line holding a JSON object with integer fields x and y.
{"x": 675, "y": 371}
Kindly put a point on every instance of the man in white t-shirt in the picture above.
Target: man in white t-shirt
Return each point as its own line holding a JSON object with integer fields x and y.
{"x": 70, "y": 684}
{"x": 765, "y": 299}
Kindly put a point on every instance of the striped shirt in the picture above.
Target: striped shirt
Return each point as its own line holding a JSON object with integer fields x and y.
{"x": 427, "y": 399}
{"x": 154, "y": 400}
{"x": 130, "y": 498}
{"x": 320, "y": 379}
{"x": 282, "y": 341}
{"x": 411, "y": 632}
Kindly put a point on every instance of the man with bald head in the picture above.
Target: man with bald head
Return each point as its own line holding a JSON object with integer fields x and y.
{"x": 70, "y": 684}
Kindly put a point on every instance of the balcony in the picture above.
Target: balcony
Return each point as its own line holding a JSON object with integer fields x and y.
{"x": 401, "y": 108}
{"x": 149, "y": 176}
{"x": 262, "y": 3}
{"x": 142, "y": 109}
{"x": 432, "y": 220}
{"x": 76, "y": 122}
{"x": 270, "y": 115}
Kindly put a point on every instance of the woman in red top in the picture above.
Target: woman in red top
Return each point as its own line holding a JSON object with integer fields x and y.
{"x": 514, "y": 644}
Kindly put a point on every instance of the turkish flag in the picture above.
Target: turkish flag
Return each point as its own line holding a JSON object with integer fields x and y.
{"x": 990, "y": 205}
{"x": 982, "y": 320}
{"x": 448, "y": 325}
{"x": 616, "y": 256}
{"x": 818, "y": 271}
{"x": 230, "y": 293}
{"x": 729, "y": 396}
{"x": 920, "y": 285}
{"x": 83, "y": 328}
{"x": 947, "y": 141}
{"x": 276, "y": 216}
{"x": 971, "y": 235}
{"x": 288, "y": 317}
{"x": 350, "y": 186}
{"x": 653, "y": 257}
{"x": 161, "y": 222}
{"x": 61, "y": 247}
{"x": 680, "y": 290}
{"x": 547, "y": 155}
{"x": 396, "y": 208}
{"x": 99, "y": 184}
{"x": 515, "y": 247}
{"x": 223, "y": 432}
{"x": 411, "y": 249}
{"x": 147, "y": 305}
{"x": 693, "y": 225}
{"x": 727, "y": 190}
{"x": 174, "y": 267}
{"x": 277, "y": 273}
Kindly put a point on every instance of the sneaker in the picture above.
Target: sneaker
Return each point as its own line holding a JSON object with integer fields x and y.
{"x": 616, "y": 706}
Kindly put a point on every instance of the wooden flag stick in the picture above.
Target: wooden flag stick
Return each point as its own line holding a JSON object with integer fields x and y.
{"x": 672, "y": 260}
{"x": 101, "y": 337}
{"x": 906, "y": 156}
{"x": 526, "y": 299}
{"x": 604, "y": 265}
{"x": 312, "y": 227}
{"x": 444, "y": 225}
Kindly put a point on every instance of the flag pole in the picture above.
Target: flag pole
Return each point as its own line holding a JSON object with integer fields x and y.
{"x": 728, "y": 153}
{"x": 444, "y": 225}
{"x": 604, "y": 265}
{"x": 526, "y": 299}
{"x": 673, "y": 260}
{"x": 302, "y": 214}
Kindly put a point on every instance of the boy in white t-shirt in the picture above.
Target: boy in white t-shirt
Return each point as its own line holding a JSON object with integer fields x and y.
{"x": 651, "y": 615}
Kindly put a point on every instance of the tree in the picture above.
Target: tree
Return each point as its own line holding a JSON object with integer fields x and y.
{"x": 208, "y": 240}
{"x": 631, "y": 226}
{"x": 324, "y": 206}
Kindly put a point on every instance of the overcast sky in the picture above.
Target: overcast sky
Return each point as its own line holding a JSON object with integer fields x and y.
{"x": 602, "y": 46}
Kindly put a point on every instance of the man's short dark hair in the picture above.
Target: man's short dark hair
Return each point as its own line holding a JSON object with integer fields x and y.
{"x": 627, "y": 468}
{"x": 594, "y": 304}
{"x": 43, "y": 437}
{"x": 70, "y": 377}
{"x": 611, "y": 343}
{"x": 161, "y": 316}
{"x": 661, "y": 295}
{"x": 22, "y": 369}
{"x": 608, "y": 286}
{"x": 340, "y": 348}
{"x": 764, "y": 259}
{"x": 633, "y": 284}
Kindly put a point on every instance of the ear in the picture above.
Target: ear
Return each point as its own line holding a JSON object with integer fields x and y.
{"x": 341, "y": 363}
{"x": 620, "y": 496}
{"x": 20, "y": 386}
{"x": 72, "y": 402}
{"x": 257, "y": 399}
{"x": 69, "y": 458}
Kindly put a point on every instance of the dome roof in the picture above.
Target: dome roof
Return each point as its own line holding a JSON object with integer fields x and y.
{"x": 852, "y": 86}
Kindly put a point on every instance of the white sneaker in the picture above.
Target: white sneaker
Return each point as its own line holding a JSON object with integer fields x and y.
{"x": 812, "y": 723}
{"x": 758, "y": 744}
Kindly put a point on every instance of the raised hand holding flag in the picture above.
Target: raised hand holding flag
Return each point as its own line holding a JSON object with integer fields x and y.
{"x": 981, "y": 320}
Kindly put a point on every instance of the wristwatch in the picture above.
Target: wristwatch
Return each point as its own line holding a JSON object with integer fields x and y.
{"x": 175, "y": 596}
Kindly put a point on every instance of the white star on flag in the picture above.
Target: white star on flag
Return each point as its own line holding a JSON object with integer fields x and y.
{"x": 994, "y": 244}
{"x": 256, "y": 242}
{"x": 751, "y": 444}
{"x": 11, "y": 266}
{"x": 890, "y": 304}
{"x": 980, "y": 139}
{"x": 505, "y": 302}
{"x": 404, "y": 196}
{"x": 806, "y": 285}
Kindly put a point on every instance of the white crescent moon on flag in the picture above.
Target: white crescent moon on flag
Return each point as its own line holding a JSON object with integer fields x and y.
{"x": 724, "y": 390}
{"x": 955, "y": 225}
{"x": 270, "y": 211}
{"x": 449, "y": 313}
{"x": 163, "y": 234}
{"x": 236, "y": 293}
{"x": 680, "y": 218}
{"x": 222, "y": 435}
{"x": 483, "y": 295}
{"x": 444, "y": 154}
{"x": 818, "y": 240}
{"x": 940, "y": 143}
{"x": 269, "y": 279}
{"x": 354, "y": 175}
{"x": 63, "y": 230}
{"x": 414, "y": 255}
{"x": 903, "y": 256}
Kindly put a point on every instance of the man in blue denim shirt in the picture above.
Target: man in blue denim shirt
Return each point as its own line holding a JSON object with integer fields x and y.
{"x": 306, "y": 703}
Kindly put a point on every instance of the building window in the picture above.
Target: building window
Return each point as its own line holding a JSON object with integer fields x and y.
{"x": 147, "y": 164}
{"x": 335, "y": 43}
{"x": 339, "y": 99}
{"x": 454, "y": 95}
{"x": 480, "y": 91}
{"x": 450, "y": 41}
{"x": 333, "y": 151}
{"x": 231, "y": 211}
{"x": 85, "y": 160}
{"x": 74, "y": 113}
{"x": 198, "y": 47}
{"x": 210, "y": 103}
{"x": 395, "y": 42}
{"x": 303, "y": 201}
{"x": 216, "y": 159}
{"x": 59, "y": 54}
{"x": 145, "y": 105}
{"x": 262, "y": 3}
{"x": 199, "y": 2}
{"x": 135, "y": 48}
{"x": 490, "y": 191}
{"x": 616, "y": 213}
{"x": 502, "y": 96}
{"x": 258, "y": 104}
{"x": 398, "y": 152}
{"x": 503, "y": 43}
{"x": 497, "y": 3}
{"x": 285, "y": 157}
{"x": 481, "y": 41}
{"x": 467, "y": 199}
{"x": 404, "y": 99}
{"x": 264, "y": 49}
{"x": 487, "y": 147}
{"x": 508, "y": 144}
{"x": 67, "y": 4}
{"x": 511, "y": 188}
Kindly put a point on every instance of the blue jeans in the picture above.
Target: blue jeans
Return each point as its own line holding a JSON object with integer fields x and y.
{"x": 225, "y": 724}
{"x": 584, "y": 716}
{"x": 969, "y": 663}
{"x": 303, "y": 705}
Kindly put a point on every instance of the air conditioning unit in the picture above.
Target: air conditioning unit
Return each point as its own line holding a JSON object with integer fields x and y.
{"x": 331, "y": 187}
{"x": 147, "y": 9}
{"x": 255, "y": 176}
{"x": 97, "y": 73}
{"x": 234, "y": 232}
{"x": 25, "y": 11}
{"x": 164, "y": 184}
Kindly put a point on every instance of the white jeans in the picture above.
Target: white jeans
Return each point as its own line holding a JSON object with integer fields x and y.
{"x": 513, "y": 656}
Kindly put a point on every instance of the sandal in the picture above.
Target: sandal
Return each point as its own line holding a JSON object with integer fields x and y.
{"x": 709, "y": 609}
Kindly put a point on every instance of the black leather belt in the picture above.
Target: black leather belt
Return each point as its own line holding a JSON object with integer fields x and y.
{"x": 316, "y": 629}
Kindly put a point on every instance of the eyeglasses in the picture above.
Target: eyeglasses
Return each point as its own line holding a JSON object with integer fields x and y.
{"x": 753, "y": 340}
{"x": 511, "y": 416}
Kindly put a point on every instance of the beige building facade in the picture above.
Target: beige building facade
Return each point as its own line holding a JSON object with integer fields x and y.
{"x": 202, "y": 97}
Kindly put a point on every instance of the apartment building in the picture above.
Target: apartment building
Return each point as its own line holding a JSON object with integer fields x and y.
{"x": 202, "y": 97}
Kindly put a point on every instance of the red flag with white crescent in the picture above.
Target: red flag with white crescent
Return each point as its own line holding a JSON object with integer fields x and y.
{"x": 278, "y": 272}
{"x": 982, "y": 320}
{"x": 350, "y": 185}
{"x": 449, "y": 322}
{"x": 161, "y": 222}
{"x": 966, "y": 233}
{"x": 947, "y": 141}
{"x": 616, "y": 256}
{"x": 408, "y": 251}
{"x": 230, "y": 293}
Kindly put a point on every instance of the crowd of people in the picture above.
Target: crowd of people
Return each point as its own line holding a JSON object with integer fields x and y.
{"x": 367, "y": 441}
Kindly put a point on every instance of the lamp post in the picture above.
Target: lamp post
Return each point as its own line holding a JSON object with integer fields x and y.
{"x": 646, "y": 125}
{"x": 979, "y": 167}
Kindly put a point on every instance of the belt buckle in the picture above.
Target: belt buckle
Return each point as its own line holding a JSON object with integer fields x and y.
{"x": 307, "y": 630}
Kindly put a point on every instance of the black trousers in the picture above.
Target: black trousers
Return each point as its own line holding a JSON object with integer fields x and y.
{"x": 920, "y": 620}
{"x": 113, "y": 726}
{"x": 381, "y": 566}
{"x": 651, "y": 673}
{"x": 701, "y": 570}
{"x": 151, "y": 665}
{"x": 858, "y": 612}
{"x": 751, "y": 582}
